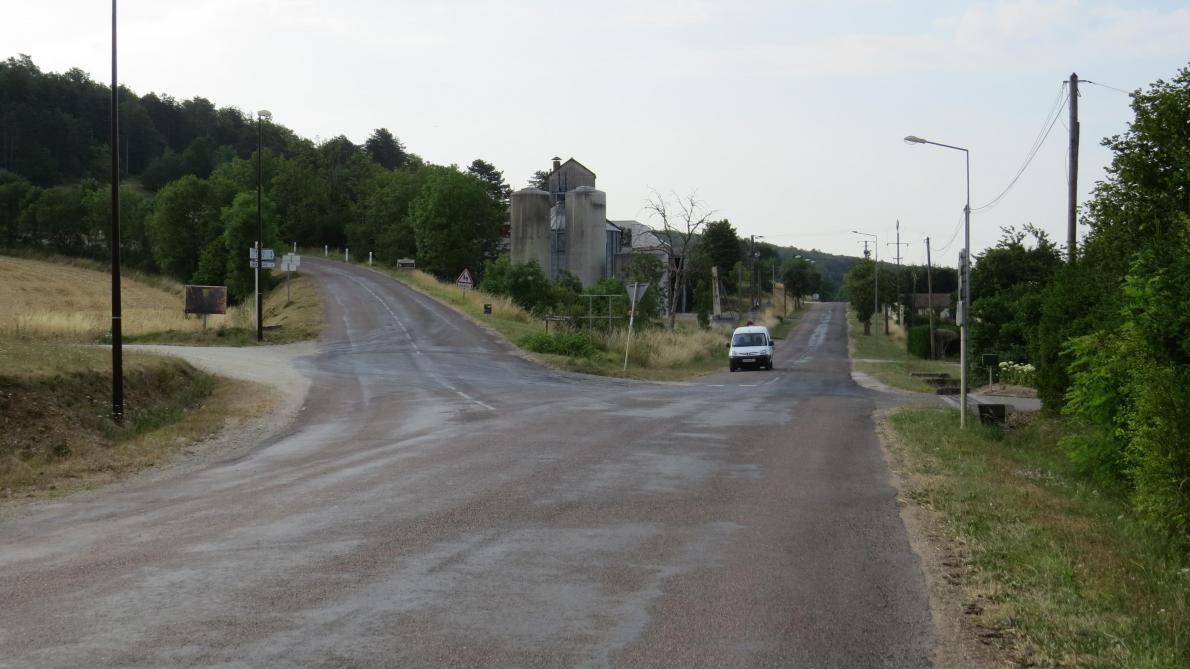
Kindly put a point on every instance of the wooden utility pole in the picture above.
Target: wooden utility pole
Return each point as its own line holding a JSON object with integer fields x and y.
{"x": 930, "y": 288}
{"x": 1072, "y": 199}
{"x": 117, "y": 308}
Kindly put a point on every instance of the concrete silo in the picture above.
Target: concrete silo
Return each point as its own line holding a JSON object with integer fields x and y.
{"x": 529, "y": 215}
{"x": 586, "y": 223}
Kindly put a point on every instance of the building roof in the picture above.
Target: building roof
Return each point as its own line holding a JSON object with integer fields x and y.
{"x": 924, "y": 301}
{"x": 572, "y": 160}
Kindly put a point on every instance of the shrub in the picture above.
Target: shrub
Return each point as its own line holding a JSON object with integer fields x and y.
{"x": 917, "y": 341}
{"x": 562, "y": 342}
{"x": 1017, "y": 373}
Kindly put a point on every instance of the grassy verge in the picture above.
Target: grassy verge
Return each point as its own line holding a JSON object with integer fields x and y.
{"x": 656, "y": 354}
{"x": 1061, "y": 571}
{"x": 55, "y": 431}
{"x": 885, "y": 358}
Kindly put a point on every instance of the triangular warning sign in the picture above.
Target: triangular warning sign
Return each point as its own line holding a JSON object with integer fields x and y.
{"x": 465, "y": 280}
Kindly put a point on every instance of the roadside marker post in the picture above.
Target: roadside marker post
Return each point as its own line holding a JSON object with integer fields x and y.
{"x": 635, "y": 292}
{"x": 369, "y": 258}
{"x": 346, "y": 254}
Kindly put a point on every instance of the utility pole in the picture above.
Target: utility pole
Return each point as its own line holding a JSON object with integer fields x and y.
{"x": 898, "y": 244}
{"x": 930, "y": 288}
{"x": 117, "y": 334}
{"x": 1072, "y": 197}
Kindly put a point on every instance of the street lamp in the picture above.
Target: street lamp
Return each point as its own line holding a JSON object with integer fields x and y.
{"x": 965, "y": 302}
{"x": 261, "y": 116}
{"x": 875, "y": 274}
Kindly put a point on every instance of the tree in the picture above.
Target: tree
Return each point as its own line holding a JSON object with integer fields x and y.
{"x": 455, "y": 221}
{"x": 1007, "y": 284}
{"x": 186, "y": 217}
{"x": 1130, "y": 374}
{"x": 493, "y": 177}
{"x": 385, "y": 149}
{"x": 800, "y": 278}
{"x": 540, "y": 180}
{"x": 681, "y": 221}
{"x": 722, "y": 246}
{"x": 859, "y": 291}
{"x": 240, "y": 231}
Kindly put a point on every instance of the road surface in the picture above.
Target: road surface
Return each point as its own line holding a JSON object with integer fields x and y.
{"x": 442, "y": 501}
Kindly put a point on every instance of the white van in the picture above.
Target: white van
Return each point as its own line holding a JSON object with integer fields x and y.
{"x": 750, "y": 346}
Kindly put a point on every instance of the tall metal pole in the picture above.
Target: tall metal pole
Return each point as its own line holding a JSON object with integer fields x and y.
{"x": 965, "y": 328}
{"x": 1072, "y": 195}
{"x": 117, "y": 334}
{"x": 930, "y": 288}
{"x": 259, "y": 224}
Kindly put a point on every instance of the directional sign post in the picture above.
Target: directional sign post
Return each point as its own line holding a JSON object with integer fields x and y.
{"x": 289, "y": 264}
{"x": 635, "y": 292}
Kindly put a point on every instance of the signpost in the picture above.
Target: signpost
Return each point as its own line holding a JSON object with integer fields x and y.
{"x": 406, "y": 263}
{"x": 267, "y": 260}
{"x": 465, "y": 281}
{"x": 290, "y": 263}
{"x": 205, "y": 300}
{"x": 635, "y": 292}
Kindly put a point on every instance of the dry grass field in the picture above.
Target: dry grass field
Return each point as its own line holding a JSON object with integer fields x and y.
{"x": 70, "y": 300}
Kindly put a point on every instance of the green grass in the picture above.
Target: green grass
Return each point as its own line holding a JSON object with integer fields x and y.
{"x": 1074, "y": 578}
{"x": 895, "y": 362}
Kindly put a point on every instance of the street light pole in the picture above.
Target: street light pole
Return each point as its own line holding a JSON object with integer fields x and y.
{"x": 261, "y": 116}
{"x": 965, "y": 306}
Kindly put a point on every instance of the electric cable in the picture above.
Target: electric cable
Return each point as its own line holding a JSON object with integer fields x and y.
{"x": 1047, "y": 126}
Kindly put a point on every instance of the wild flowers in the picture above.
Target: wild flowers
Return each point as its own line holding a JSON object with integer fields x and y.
{"x": 1018, "y": 374}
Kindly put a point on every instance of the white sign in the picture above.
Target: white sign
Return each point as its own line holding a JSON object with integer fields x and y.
{"x": 290, "y": 262}
{"x": 268, "y": 254}
{"x": 636, "y": 291}
{"x": 268, "y": 264}
{"x": 465, "y": 281}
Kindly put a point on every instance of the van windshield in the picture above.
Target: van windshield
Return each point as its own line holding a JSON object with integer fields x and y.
{"x": 749, "y": 339}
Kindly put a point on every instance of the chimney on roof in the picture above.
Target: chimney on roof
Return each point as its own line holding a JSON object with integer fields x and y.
{"x": 557, "y": 162}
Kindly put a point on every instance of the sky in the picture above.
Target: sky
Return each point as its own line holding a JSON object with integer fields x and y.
{"x": 786, "y": 118}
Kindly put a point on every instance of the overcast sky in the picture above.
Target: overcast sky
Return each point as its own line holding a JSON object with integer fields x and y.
{"x": 785, "y": 117}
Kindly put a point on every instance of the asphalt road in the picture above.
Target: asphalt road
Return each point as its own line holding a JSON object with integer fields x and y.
{"x": 443, "y": 502}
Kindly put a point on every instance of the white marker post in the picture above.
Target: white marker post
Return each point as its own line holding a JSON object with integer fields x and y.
{"x": 635, "y": 292}
{"x": 346, "y": 254}
{"x": 369, "y": 258}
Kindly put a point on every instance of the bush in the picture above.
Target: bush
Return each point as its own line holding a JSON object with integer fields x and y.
{"x": 917, "y": 341}
{"x": 573, "y": 344}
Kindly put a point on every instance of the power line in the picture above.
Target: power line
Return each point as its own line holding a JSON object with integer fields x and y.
{"x": 953, "y": 235}
{"x": 1047, "y": 126}
{"x": 1096, "y": 83}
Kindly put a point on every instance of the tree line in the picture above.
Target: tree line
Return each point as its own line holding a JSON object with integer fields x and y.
{"x": 190, "y": 170}
{"x": 1108, "y": 330}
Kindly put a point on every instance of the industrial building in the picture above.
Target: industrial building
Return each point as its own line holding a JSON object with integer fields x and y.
{"x": 565, "y": 228}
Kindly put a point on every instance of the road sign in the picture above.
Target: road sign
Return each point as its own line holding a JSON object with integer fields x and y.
{"x": 465, "y": 281}
{"x": 636, "y": 291}
{"x": 268, "y": 264}
{"x": 268, "y": 254}
{"x": 290, "y": 262}
{"x": 205, "y": 300}
{"x": 406, "y": 263}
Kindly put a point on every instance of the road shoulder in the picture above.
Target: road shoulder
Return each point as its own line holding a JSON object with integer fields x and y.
{"x": 955, "y": 604}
